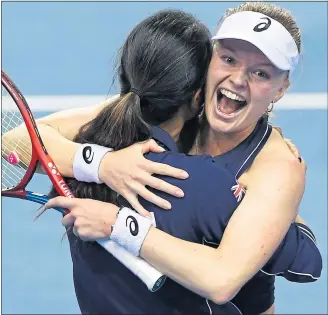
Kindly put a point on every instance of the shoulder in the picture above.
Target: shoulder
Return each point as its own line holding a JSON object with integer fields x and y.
{"x": 197, "y": 165}
{"x": 276, "y": 159}
{"x": 205, "y": 176}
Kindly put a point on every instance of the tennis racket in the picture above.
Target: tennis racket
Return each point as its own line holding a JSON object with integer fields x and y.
{"x": 19, "y": 165}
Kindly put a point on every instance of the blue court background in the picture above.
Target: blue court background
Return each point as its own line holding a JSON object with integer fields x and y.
{"x": 69, "y": 49}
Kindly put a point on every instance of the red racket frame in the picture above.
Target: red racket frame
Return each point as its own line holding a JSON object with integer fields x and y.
{"x": 39, "y": 152}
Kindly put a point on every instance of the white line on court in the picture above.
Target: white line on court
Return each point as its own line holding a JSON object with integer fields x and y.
{"x": 297, "y": 101}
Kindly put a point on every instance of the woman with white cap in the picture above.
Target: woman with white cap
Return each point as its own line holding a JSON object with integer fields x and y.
{"x": 255, "y": 53}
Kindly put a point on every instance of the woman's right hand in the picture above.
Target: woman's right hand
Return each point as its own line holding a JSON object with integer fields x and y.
{"x": 128, "y": 172}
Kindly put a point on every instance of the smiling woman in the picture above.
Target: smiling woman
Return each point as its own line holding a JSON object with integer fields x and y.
{"x": 251, "y": 68}
{"x": 253, "y": 83}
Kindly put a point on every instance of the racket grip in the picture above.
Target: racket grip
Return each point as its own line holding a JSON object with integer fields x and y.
{"x": 153, "y": 278}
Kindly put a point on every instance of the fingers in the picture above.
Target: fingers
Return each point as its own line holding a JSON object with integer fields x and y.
{"x": 75, "y": 232}
{"x": 135, "y": 204}
{"x": 151, "y": 145}
{"x": 68, "y": 220}
{"x": 151, "y": 197}
{"x": 162, "y": 185}
{"x": 292, "y": 147}
{"x": 303, "y": 163}
{"x": 159, "y": 168}
{"x": 60, "y": 202}
{"x": 278, "y": 129}
{"x": 166, "y": 170}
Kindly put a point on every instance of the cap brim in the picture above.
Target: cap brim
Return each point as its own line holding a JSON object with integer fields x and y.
{"x": 277, "y": 58}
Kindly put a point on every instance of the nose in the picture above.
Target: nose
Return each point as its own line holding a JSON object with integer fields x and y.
{"x": 239, "y": 78}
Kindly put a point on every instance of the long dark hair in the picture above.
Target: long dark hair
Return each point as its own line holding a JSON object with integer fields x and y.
{"x": 163, "y": 62}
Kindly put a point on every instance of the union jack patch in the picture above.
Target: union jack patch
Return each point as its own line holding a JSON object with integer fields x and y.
{"x": 238, "y": 191}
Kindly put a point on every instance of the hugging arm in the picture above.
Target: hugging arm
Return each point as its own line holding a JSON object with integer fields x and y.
{"x": 58, "y": 131}
{"x": 253, "y": 240}
{"x": 254, "y": 234}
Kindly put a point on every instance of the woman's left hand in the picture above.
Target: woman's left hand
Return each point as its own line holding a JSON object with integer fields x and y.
{"x": 91, "y": 219}
{"x": 130, "y": 174}
{"x": 293, "y": 148}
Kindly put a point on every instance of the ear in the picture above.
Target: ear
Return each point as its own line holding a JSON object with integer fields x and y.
{"x": 281, "y": 92}
{"x": 197, "y": 100}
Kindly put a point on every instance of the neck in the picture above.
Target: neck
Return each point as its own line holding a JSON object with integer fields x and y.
{"x": 174, "y": 126}
{"x": 216, "y": 143}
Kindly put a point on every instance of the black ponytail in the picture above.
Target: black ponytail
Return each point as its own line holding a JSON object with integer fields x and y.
{"x": 163, "y": 63}
{"x": 118, "y": 125}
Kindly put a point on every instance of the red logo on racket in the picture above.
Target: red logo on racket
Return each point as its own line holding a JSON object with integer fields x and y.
{"x": 13, "y": 158}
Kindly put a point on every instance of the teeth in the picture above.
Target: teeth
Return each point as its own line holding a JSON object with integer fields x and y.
{"x": 232, "y": 96}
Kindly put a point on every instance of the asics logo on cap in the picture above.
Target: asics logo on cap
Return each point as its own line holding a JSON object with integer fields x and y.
{"x": 263, "y": 25}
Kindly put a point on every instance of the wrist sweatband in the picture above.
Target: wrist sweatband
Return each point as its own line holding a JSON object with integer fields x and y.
{"x": 87, "y": 161}
{"x": 131, "y": 229}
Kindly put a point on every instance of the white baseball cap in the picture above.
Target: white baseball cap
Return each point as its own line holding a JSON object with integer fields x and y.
{"x": 265, "y": 33}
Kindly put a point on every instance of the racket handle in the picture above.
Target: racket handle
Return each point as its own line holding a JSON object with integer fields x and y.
{"x": 153, "y": 278}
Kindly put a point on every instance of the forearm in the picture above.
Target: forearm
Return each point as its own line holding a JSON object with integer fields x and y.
{"x": 59, "y": 148}
{"x": 197, "y": 267}
{"x": 57, "y": 132}
{"x": 17, "y": 140}
{"x": 241, "y": 253}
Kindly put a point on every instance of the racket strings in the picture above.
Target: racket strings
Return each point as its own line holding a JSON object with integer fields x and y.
{"x": 19, "y": 147}
{"x": 15, "y": 150}
{"x": 9, "y": 176}
{"x": 10, "y": 120}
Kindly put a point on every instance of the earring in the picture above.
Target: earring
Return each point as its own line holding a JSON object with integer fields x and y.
{"x": 270, "y": 107}
{"x": 201, "y": 111}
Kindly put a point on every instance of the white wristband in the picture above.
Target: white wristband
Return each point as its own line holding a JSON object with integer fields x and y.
{"x": 87, "y": 161}
{"x": 131, "y": 229}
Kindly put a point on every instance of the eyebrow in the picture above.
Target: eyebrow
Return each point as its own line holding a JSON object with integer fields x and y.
{"x": 264, "y": 64}
{"x": 225, "y": 47}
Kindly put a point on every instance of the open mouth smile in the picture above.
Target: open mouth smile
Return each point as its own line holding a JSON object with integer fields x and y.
{"x": 229, "y": 104}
